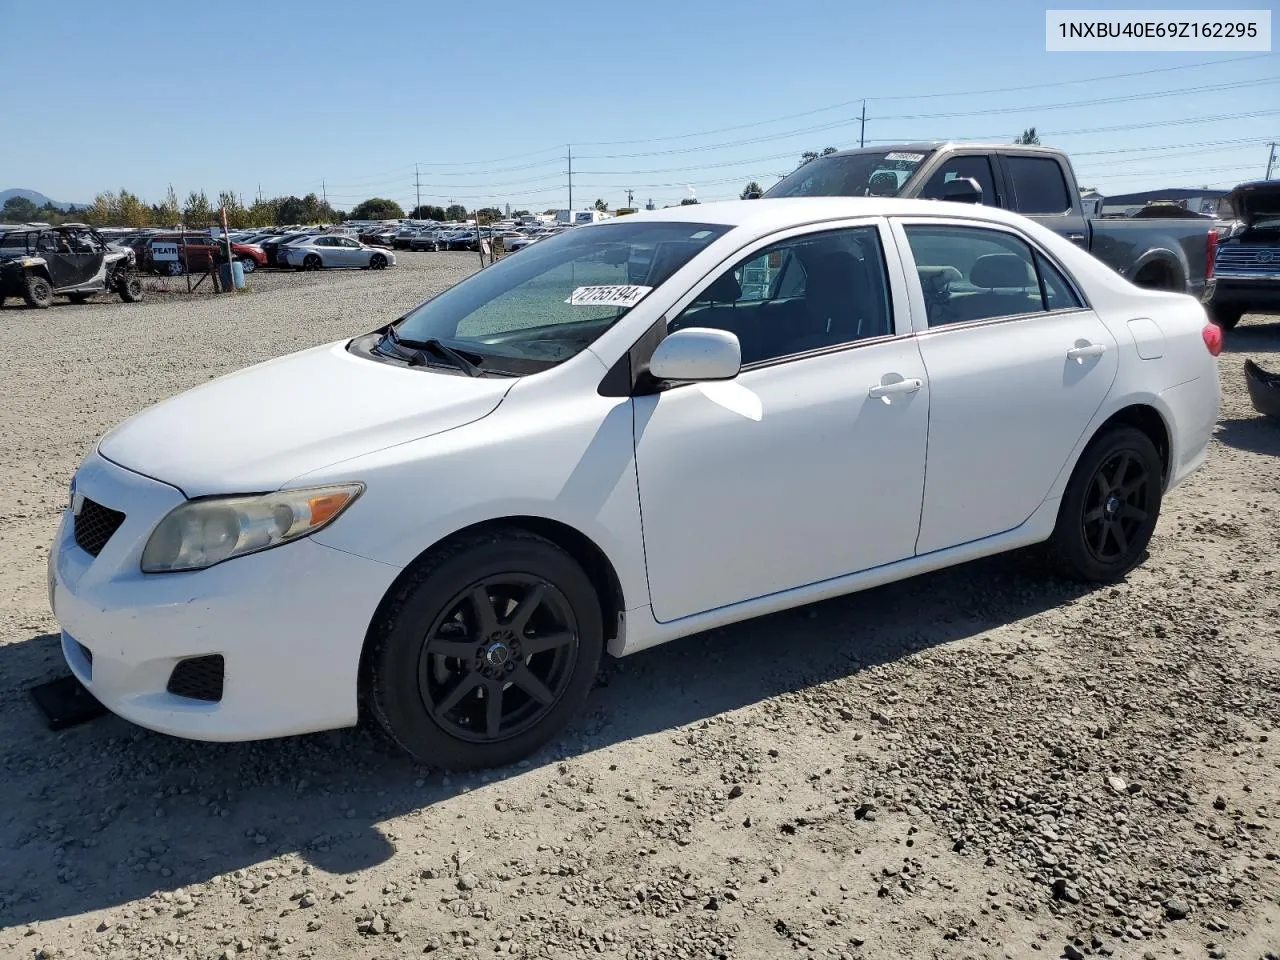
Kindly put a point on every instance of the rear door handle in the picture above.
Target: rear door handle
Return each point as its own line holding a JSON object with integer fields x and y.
{"x": 1078, "y": 354}
{"x": 882, "y": 391}
{"x": 1075, "y": 237}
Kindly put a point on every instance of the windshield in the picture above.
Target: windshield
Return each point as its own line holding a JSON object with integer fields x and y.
{"x": 861, "y": 174}
{"x": 555, "y": 298}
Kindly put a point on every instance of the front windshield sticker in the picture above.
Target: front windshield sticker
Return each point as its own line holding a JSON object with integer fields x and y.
{"x": 611, "y": 295}
{"x": 913, "y": 157}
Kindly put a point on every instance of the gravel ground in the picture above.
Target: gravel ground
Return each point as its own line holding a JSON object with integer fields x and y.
{"x": 984, "y": 762}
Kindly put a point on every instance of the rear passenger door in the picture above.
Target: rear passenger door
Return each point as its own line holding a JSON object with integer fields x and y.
{"x": 1040, "y": 189}
{"x": 1017, "y": 364}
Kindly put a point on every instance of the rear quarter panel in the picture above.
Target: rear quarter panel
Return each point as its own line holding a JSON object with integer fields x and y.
{"x": 1130, "y": 245}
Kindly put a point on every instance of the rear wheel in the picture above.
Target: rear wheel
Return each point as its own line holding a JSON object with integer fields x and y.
{"x": 311, "y": 262}
{"x": 1225, "y": 317}
{"x": 378, "y": 261}
{"x": 486, "y": 651}
{"x": 37, "y": 292}
{"x": 1110, "y": 507}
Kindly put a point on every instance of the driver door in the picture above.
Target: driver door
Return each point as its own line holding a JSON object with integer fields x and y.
{"x": 810, "y": 464}
{"x": 73, "y": 259}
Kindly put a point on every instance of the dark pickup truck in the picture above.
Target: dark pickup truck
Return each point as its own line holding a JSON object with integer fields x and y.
{"x": 1247, "y": 275}
{"x": 1037, "y": 182}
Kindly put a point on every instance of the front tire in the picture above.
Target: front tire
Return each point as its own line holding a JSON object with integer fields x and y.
{"x": 131, "y": 288}
{"x": 1225, "y": 317}
{"x": 37, "y": 292}
{"x": 1110, "y": 507}
{"x": 249, "y": 264}
{"x": 485, "y": 651}
{"x": 378, "y": 261}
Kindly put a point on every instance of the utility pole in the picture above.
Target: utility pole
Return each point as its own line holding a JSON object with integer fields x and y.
{"x": 324, "y": 194}
{"x": 570, "y": 149}
{"x": 417, "y": 183}
{"x": 862, "y": 130}
{"x": 1271, "y": 159}
{"x": 628, "y": 198}
{"x": 259, "y": 193}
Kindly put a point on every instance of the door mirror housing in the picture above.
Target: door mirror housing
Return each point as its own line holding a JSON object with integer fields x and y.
{"x": 962, "y": 190}
{"x": 697, "y": 354}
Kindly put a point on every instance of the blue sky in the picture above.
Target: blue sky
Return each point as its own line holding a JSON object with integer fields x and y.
{"x": 655, "y": 96}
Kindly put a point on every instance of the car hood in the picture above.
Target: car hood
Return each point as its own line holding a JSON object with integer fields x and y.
{"x": 1256, "y": 201}
{"x": 256, "y": 429}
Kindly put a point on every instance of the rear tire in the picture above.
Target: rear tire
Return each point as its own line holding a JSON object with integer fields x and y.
{"x": 37, "y": 292}
{"x": 461, "y": 688}
{"x": 249, "y": 264}
{"x": 1225, "y": 317}
{"x": 1110, "y": 507}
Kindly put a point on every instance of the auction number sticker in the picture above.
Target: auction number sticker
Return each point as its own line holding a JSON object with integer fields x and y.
{"x": 610, "y": 295}
{"x": 912, "y": 157}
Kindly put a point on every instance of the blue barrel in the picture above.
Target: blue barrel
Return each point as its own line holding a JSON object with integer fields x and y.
{"x": 237, "y": 274}
{"x": 231, "y": 275}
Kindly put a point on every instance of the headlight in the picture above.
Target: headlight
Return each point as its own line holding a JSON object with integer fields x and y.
{"x": 201, "y": 533}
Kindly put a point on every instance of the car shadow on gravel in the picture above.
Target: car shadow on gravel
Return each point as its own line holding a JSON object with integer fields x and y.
{"x": 1254, "y": 337}
{"x": 1257, "y": 434}
{"x": 100, "y": 815}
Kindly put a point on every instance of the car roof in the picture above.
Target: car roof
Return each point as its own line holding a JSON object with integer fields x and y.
{"x": 769, "y": 214}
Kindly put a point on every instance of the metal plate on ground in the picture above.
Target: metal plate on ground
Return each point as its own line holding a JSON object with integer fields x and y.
{"x": 66, "y": 703}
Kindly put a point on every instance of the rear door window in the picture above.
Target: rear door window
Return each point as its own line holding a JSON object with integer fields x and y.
{"x": 1039, "y": 185}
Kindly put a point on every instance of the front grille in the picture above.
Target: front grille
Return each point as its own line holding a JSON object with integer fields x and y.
{"x": 1248, "y": 258}
{"x": 94, "y": 526}
{"x": 198, "y": 678}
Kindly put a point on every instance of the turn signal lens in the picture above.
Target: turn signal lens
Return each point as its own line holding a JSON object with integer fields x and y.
{"x": 1212, "y": 334}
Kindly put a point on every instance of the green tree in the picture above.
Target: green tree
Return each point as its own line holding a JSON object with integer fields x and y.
{"x": 104, "y": 210}
{"x": 522, "y": 213}
{"x": 1029, "y": 136}
{"x": 601, "y": 206}
{"x": 427, "y": 211}
{"x": 19, "y": 210}
{"x": 488, "y": 215}
{"x": 237, "y": 215}
{"x": 688, "y": 201}
{"x": 750, "y": 189}
{"x": 132, "y": 211}
{"x": 455, "y": 211}
{"x": 168, "y": 213}
{"x": 263, "y": 213}
{"x": 810, "y": 155}
{"x": 197, "y": 213}
{"x": 377, "y": 208}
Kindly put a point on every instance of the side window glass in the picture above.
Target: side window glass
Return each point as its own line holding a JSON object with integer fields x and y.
{"x": 979, "y": 168}
{"x": 1038, "y": 185}
{"x": 806, "y": 293}
{"x": 1058, "y": 294}
{"x": 969, "y": 273}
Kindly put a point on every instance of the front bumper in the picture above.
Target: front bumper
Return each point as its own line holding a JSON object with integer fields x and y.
{"x": 1254, "y": 292}
{"x": 289, "y": 623}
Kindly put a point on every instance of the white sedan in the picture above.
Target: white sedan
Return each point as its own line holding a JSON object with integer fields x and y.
{"x": 330, "y": 250}
{"x": 634, "y": 431}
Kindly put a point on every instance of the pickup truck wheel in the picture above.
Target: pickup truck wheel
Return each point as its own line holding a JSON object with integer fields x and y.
{"x": 1226, "y": 317}
{"x": 1110, "y": 507}
{"x": 131, "y": 289}
{"x": 37, "y": 292}
{"x": 485, "y": 651}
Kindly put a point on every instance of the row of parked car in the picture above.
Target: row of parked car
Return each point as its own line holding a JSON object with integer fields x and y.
{"x": 310, "y": 248}
{"x": 452, "y": 236}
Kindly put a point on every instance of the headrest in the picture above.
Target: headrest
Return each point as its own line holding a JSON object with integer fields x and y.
{"x": 938, "y": 276}
{"x": 1001, "y": 270}
{"x": 725, "y": 289}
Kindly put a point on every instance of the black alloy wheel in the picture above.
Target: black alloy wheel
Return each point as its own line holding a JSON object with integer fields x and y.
{"x": 498, "y": 658}
{"x": 484, "y": 650}
{"x": 378, "y": 261}
{"x": 311, "y": 262}
{"x": 1115, "y": 508}
{"x": 1110, "y": 507}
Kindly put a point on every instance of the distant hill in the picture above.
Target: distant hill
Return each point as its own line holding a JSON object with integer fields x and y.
{"x": 36, "y": 197}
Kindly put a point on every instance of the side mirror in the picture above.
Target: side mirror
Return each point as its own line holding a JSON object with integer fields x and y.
{"x": 962, "y": 190}
{"x": 697, "y": 353}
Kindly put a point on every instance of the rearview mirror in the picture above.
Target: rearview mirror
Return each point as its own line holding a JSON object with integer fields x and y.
{"x": 697, "y": 353}
{"x": 962, "y": 190}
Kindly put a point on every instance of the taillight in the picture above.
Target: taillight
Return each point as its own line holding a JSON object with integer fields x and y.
{"x": 1211, "y": 254}
{"x": 1212, "y": 334}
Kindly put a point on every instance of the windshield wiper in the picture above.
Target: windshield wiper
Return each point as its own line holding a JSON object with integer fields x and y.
{"x": 412, "y": 351}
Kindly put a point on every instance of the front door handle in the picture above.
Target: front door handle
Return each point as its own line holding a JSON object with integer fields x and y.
{"x": 1075, "y": 237}
{"x": 1079, "y": 353}
{"x": 883, "y": 391}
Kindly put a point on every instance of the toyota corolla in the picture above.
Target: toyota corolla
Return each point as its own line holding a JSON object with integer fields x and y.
{"x": 634, "y": 431}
